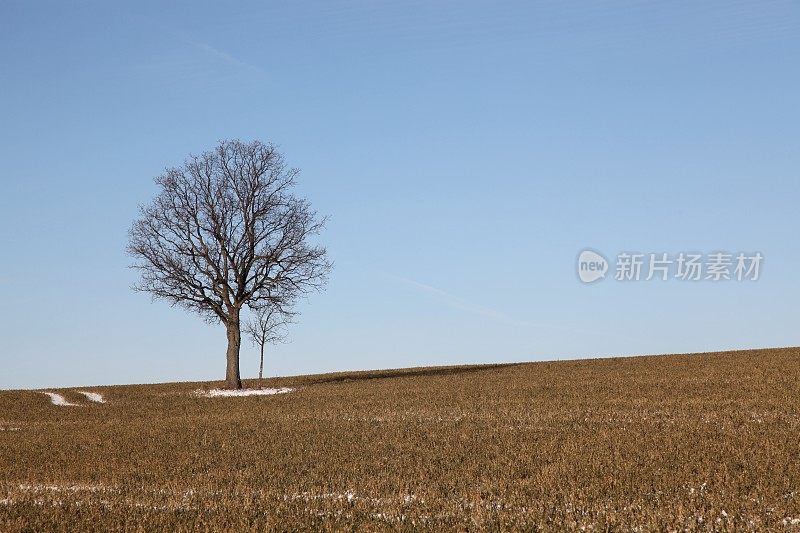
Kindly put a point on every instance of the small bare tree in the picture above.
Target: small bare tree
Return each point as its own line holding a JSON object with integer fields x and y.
{"x": 268, "y": 326}
{"x": 224, "y": 232}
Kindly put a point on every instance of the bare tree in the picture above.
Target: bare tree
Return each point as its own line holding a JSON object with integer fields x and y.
{"x": 268, "y": 326}
{"x": 225, "y": 231}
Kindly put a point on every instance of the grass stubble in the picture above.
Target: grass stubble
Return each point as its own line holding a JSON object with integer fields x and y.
{"x": 697, "y": 442}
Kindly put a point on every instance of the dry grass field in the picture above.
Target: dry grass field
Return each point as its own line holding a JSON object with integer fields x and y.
{"x": 697, "y": 442}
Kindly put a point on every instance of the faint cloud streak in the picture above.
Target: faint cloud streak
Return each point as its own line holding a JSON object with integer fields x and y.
{"x": 224, "y": 57}
{"x": 461, "y": 304}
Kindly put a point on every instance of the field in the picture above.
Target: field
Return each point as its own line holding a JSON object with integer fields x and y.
{"x": 705, "y": 441}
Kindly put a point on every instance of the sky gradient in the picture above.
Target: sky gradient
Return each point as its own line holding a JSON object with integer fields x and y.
{"x": 465, "y": 152}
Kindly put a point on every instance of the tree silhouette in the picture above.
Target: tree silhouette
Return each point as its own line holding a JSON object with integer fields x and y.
{"x": 268, "y": 326}
{"x": 225, "y": 231}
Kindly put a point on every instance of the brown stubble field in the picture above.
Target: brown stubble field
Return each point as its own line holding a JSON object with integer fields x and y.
{"x": 707, "y": 441}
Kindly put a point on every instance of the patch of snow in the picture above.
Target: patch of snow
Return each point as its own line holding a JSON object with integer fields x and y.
{"x": 9, "y": 429}
{"x": 224, "y": 393}
{"x": 74, "y": 487}
{"x": 93, "y": 396}
{"x": 57, "y": 399}
{"x": 307, "y": 496}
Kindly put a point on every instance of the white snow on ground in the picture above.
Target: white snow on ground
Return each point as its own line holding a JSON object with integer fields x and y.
{"x": 57, "y": 399}
{"x": 307, "y": 496}
{"x": 223, "y": 393}
{"x": 74, "y": 487}
{"x": 93, "y": 396}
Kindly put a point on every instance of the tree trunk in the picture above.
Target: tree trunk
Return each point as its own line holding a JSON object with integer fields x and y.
{"x": 232, "y": 377}
{"x": 261, "y": 368}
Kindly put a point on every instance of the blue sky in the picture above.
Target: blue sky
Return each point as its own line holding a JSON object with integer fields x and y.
{"x": 466, "y": 152}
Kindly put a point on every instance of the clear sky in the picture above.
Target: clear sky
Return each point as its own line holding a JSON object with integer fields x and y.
{"x": 466, "y": 152}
